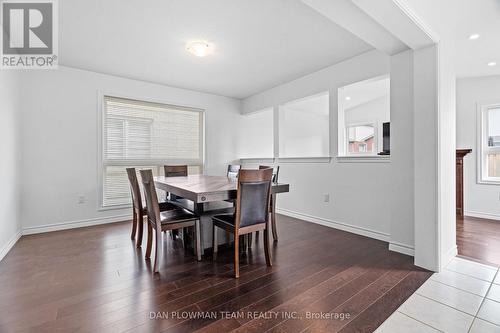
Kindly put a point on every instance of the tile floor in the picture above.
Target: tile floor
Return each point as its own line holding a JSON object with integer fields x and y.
{"x": 465, "y": 297}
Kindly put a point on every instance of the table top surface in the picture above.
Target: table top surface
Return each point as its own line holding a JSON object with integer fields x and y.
{"x": 201, "y": 184}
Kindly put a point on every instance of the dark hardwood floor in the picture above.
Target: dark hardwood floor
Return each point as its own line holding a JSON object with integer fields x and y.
{"x": 479, "y": 239}
{"x": 95, "y": 280}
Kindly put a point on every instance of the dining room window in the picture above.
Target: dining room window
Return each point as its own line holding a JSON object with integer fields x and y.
{"x": 489, "y": 150}
{"x": 363, "y": 109}
{"x": 360, "y": 139}
{"x": 144, "y": 135}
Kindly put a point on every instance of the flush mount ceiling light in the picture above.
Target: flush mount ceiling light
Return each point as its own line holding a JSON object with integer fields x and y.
{"x": 348, "y": 98}
{"x": 474, "y": 36}
{"x": 199, "y": 48}
{"x": 492, "y": 63}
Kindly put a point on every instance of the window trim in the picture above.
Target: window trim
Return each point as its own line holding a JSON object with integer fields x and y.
{"x": 101, "y": 163}
{"x": 482, "y": 142}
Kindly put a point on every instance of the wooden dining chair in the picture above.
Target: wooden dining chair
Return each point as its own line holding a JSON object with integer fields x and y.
{"x": 252, "y": 213}
{"x": 276, "y": 171}
{"x": 138, "y": 209}
{"x": 232, "y": 170}
{"x": 272, "y": 206}
{"x": 176, "y": 170}
{"x": 174, "y": 219}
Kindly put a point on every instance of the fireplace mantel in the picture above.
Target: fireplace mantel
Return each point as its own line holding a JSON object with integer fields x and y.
{"x": 460, "y": 180}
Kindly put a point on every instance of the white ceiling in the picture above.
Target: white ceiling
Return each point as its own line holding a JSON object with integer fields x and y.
{"x": 380, "y": 22}
{"x": 317, "y": 104}
{"x": 482, "y": 17}
{"x": 259, "y": 43}
{"x": 364, "y": 92}
{"x": 458, "y": 19}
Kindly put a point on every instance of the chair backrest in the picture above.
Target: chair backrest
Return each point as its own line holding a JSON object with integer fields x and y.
{"x": 276, "y": 171}
{"x": 176, "y": 170}
{"x": 254, "y": 192}
{"x": 134, "y": 189}
{"x": 152, "y": 206}
{"x": 232, "y": 170}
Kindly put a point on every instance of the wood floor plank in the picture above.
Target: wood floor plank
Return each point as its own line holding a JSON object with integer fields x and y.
{"x": 358, "y": 303}
{"x": 377, "y": 313}
{"x": 272, "y": 301}
{"x": 94, "y": 280}
{"x": 325, "y": 296}
{"x": 124, "y": 313}
{"x": 479, "y": 239}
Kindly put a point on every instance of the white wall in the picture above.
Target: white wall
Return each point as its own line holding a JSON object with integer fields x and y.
{"x": 256, "y": 137}
{"x": 60, "y": 141}
{"x": 436, "y": 231}
{"x": 402, "y": 153}
{"x": 426, "y": 157}
{"x": 10, "y": 225}
{"x": 479, "y": 199}
{"x": 447, "y": 137}
{"x": 303, "y": 133}
{"x": 360, "y": 193}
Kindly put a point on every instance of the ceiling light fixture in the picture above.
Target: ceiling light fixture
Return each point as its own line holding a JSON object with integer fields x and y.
{"x": 348, "y": 98}
{"x": 492, "y": 63}
{"x": 199, "y": 48}
{"x": 474, "y": 36}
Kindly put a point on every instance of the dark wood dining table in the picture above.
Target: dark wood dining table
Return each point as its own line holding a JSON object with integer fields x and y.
{"x": 207, "y": 195}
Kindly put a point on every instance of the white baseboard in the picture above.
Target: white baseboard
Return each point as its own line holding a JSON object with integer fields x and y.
{"x": 402, "y": 248}
{"x": 482, "y": 215}
{"x": 75, "y": 224}
{"x": 336, "y": 225}
{"x": 60, "y": 226}
{"x": 10, "y": 244}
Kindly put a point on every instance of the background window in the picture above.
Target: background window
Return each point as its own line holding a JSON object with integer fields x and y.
{"x": 304, "y": 127}
{"x": 360, "y": 139}
{"x": 146, "y": 136}
{"x": 363, "y": 109}
{"x": 490, "y": 152}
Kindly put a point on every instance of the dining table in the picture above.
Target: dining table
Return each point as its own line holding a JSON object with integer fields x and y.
{"x": 208, "y": 195}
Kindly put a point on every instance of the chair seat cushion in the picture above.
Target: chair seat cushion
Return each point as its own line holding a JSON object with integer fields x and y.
{"x": 163, "y": 207}
{"x": 225, "y": 218}
{"x": 167, "y": 205}
{"x": 176, "y": 215}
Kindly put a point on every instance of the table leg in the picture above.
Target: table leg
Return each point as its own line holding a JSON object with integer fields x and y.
{"x": 273, "y": 217}
{"x": 199, "y": 209}
{"x": 175, "y": 233}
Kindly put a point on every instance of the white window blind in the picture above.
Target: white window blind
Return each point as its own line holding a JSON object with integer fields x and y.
{"x": 146, "y": 135}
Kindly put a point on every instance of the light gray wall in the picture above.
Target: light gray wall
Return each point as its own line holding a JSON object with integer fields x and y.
{"x": 10, "y": 225}
{"x": 360, "y": 193}
{"x": 402, "y": 151}
{"x": 479, "y": 199}
{"x": 60, "y": 141}
{"x": 447, "y": 137}
{"x": 426, "y": 107}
